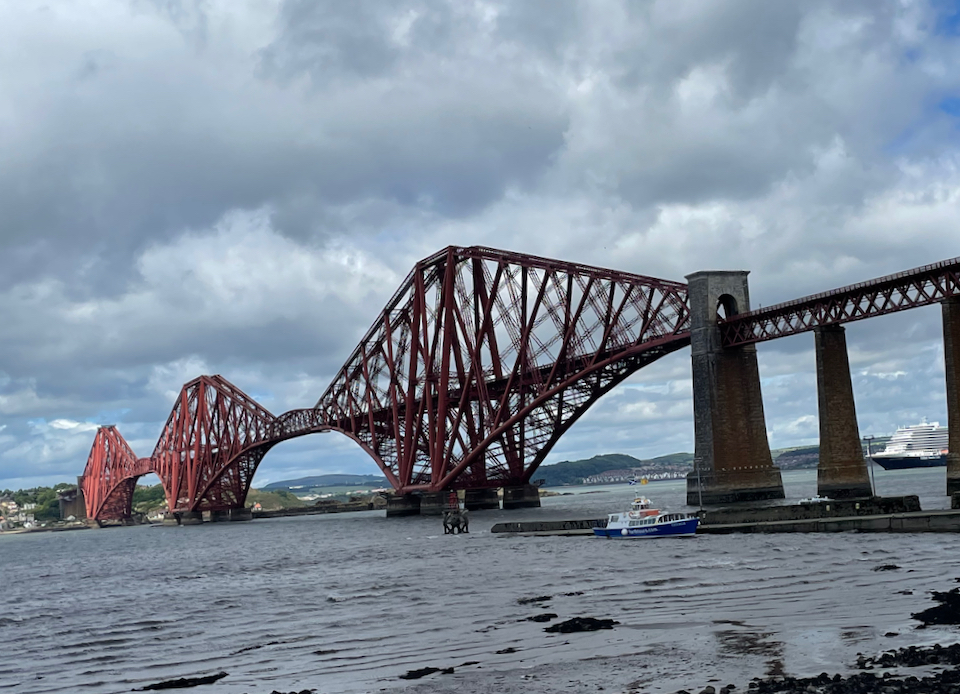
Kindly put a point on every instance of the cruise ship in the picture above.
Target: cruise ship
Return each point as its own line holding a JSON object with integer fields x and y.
{"x": 920, "y": 445}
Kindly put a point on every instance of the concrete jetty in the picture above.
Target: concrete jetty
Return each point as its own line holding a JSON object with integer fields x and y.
{"x": 900, "y": 514}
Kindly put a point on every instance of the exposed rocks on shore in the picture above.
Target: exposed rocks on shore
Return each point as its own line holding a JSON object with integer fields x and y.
{"x": 183, "y": 682}
{"x": 913, "y": 656}
{"x": 946, "y": 682}
{"x": 581, "y": 624}
{"x": 947, "y": 612}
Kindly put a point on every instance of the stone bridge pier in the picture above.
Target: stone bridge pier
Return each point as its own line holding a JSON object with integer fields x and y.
{"x": 951, "y": 357}
{"x": 731, "y": 456}
{"x": 842, "y": 471}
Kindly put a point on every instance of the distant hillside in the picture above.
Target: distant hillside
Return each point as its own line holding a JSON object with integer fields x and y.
{"x": 305, "y": 483}
{"x": 800, "y": 458}
{"x": 806, "y": 457}
{"x": 576, "y": 471}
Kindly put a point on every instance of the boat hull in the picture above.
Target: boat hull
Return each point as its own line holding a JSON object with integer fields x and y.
{"x": 681, "y": 528}
{"x": 908, "y": 462}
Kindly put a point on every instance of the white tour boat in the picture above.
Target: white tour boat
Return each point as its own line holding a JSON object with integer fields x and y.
{"x": 643, "y": 521}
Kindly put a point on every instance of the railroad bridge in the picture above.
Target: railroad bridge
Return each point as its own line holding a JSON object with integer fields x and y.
{"x": 483, "y": 359}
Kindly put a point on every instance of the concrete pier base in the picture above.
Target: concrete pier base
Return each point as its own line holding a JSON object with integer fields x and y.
{"x": 403, "y": 505}
{"x": 842, "y": 472}
{"x": 951, "y": 358}
{"x": 434, "y": 503}
{"x": 522, "y": 496}
{"x": 171, "y": 518}
{"x": 481, "y": 499}
{"x": 734, "y": 485}
{"x": 241, "y": 514}
{"x": 191, "y": 518}
{"x": 732, "y": 459}
{"x": 219, "y": 516}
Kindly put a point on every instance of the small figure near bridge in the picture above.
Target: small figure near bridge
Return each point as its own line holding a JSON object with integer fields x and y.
{"x": 455, "y": 521}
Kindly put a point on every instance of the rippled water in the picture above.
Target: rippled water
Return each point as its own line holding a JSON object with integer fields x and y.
{"x": 348, "y": 603}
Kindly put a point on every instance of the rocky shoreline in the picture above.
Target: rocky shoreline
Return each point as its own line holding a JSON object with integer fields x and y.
{"x": 912, "y": 670}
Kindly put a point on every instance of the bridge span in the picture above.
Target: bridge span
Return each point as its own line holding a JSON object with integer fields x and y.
{"x": 483, "y": 359}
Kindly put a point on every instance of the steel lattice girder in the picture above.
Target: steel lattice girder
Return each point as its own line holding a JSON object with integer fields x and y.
{"x": 481, "y": 360}
{"x": 482, "y": 355}
{"x": 477, "y": 365}
{"x": 205, "y": 457}
{"x": 110, "y": 476}
{"x": 905, "y": 290}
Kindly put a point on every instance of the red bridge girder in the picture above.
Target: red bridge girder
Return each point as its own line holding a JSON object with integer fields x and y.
{"x": 921, "y": 286}
{"x": 480, "y": 361}
{"x": 483, "y": 358}
{"x": 211, "y": 445}
{"x": 111, "y": 475}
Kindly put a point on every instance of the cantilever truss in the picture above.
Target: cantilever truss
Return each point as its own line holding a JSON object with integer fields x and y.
{"x": 918, "y": 287}
{"x": 211, "y": 445}
{"x": 111, "y": 475}
{"x": 483, "y": 359}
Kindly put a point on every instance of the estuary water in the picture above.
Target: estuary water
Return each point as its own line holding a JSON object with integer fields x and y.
{"x": 350, "y": 602}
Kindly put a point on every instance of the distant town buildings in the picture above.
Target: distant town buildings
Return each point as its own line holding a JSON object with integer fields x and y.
{"x": 615, "y": 476}
{"x": 12, "y": 515}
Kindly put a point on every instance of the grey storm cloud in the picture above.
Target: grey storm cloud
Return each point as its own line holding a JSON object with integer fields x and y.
{"x": 189, "y": 188}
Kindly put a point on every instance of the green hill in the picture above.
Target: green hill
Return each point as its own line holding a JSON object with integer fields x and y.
{"x": 338, "y": 480}
{"x": 575, "y": 471}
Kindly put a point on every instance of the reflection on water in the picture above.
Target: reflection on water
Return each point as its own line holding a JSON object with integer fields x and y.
{"x": 350, "y": 602}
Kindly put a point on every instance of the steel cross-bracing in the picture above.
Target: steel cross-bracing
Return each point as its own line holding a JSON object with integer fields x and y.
{"x": 921, "y": 286}
{"x": 111, "y": 475}
{"x": 483, "y": 359}
{"x": 478, "y": 364}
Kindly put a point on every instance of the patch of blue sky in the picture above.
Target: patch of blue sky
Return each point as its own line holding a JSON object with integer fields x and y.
{"x": 950, "y": 105}
{"x": 948, "y": 17}
{"x": 262, "y": 397}
{"x": 911, "y": 137}
{"x": 104, "y": 417}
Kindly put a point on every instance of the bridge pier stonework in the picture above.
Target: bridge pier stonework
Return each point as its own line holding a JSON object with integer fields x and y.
{"x": 842, "y": 471}
{"x": 951, "y": 355}
{"x": 403, "y": 505}
{"x": 481, "y": 499}
{"x": 521, "y": 496}
{"x": 433, "y": 503}
{"x": 233, "y": 514}
{"x": 191, "y": 518}
{"x": 732, "y": 459}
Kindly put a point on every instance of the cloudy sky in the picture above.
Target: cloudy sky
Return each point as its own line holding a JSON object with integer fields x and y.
{"x": 203, "y": 186}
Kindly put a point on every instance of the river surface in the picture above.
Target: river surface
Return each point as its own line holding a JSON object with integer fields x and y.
{"x": 349, "y": 602}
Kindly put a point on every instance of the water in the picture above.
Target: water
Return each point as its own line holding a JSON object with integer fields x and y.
{"x": 348, "y": 603}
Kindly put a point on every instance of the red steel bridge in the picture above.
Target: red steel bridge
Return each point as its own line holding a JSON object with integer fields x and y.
{"x": 477, "y": 365}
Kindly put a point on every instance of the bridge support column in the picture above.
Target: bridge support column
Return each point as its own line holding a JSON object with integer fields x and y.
{"x": 522, "y": 496}
{"x": 481, "y": 499}
{"x": 434, "y": 503}
{"x": 220, "y": 516}
{"x": 403, "y": 505}
{"x": 732, "y": 457}
{"x": 842, "y": 471}
{"x": 171, "y": 518}
{"x": 241, "y": 514}
{"x": 951, "y": 354}
{"x": 191, "y": 518}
